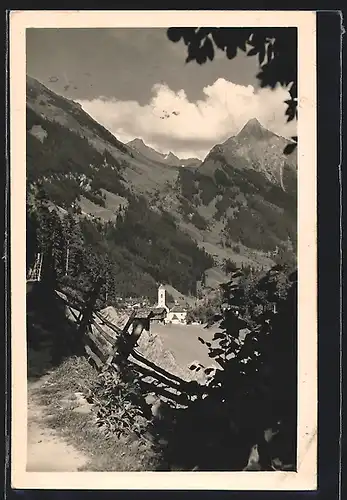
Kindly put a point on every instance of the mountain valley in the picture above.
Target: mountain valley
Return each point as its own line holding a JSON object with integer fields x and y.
{"x": 154, "y": 217}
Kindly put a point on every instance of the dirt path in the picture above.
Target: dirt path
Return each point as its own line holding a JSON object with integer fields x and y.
{"x": 47, "y": 451}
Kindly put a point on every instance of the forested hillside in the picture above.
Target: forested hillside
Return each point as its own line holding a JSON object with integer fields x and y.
{"x": 247, "y": 188}
{"x": 135, "y": 251}
{"x": 254, "y": 212}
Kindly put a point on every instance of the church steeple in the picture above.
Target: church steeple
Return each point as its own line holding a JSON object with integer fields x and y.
{"x": 162, "y": 296}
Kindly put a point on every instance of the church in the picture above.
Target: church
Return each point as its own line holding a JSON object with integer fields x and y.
{"x": 176, "y": 314}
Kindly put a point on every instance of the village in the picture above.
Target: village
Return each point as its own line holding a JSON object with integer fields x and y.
{"x": 161, "y": 311}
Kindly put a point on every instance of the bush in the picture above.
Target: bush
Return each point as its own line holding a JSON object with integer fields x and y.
{"x": 121, "y": 407}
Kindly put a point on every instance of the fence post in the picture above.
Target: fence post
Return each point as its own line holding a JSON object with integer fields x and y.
{"x": 89, "y": 308}
{"x": 126, "y": 341}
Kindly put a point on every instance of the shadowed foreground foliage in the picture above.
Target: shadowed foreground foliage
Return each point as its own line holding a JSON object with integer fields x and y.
{"x": 251, "y": 399}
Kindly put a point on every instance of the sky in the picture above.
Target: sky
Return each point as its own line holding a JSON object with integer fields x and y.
{"x": 135, "y": 82}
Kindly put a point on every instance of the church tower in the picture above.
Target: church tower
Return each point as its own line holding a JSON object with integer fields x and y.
{"x": 161, "y": 296}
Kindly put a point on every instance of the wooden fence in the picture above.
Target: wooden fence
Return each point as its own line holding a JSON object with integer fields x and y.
{"x": 108, "y": 350}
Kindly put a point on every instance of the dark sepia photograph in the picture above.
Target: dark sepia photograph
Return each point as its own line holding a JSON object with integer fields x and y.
{"x": 162, "y": 249}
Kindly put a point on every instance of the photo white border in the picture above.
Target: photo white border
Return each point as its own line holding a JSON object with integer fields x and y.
{"x": 306, "y": 477}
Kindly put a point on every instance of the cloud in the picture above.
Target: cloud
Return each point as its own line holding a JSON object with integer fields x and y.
{"x": 170, "y": 122}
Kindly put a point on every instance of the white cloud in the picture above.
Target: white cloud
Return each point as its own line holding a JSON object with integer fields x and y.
{"x": 170, "y": 122}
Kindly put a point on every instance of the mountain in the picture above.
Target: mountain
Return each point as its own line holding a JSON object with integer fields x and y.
{"x": 148, "y": 221}
{"x": 253, "y": 148}
{"x": 145, "y": 175}
{"x": 79, "y": 168}
{"x": 168, "y": 159}
{"x": 245, "y": 192}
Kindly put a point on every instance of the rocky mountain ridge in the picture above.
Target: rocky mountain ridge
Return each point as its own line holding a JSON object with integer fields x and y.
{"x": 167, "y": 159}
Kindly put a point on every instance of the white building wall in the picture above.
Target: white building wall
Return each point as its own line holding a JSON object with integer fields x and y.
{"x": 161, "y": 297}
{"x": 176, "y": 317}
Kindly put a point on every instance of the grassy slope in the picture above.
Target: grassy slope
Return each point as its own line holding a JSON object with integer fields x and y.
{"x": 146, "y": 176}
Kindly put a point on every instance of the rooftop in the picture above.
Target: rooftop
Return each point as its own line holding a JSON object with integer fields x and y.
{"x": 178, "y": 309}
{"x": 144, "y": 312}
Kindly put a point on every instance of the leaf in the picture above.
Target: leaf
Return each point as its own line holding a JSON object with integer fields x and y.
{"x": 269, "y": 52}
{"x": 289, "y": 148}
{"x": 207, "y": 371}
{"x": 201, "y": 340}
{"x": 217, "y": 317}
{"x": 252, "y": 52}
{"x": 174, "y": 34}
{"x": 261, "y": 55}
{"x": 293, "y": 91}
{"x": 203, "y": 32}
{"x": 242, "y": 45}
{"x": 215, "y": 352}
{"x": 231, "y": 51}
{"x": 189, "y": 35}
{"x": 201, "y": 57}
{"x": 219, "y": 39}
{"x": 224, "y": 342}
{"x": 208, "y": 47}
{"x": 219, "y": 335}
{"x": 220, "y": 361}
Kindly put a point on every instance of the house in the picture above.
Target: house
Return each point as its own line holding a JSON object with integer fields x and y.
{"x": 148, "y": 315}
{"x": 176, "y": 314}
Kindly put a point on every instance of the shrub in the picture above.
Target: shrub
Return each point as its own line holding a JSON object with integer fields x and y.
{"x": 121, "y": 407}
